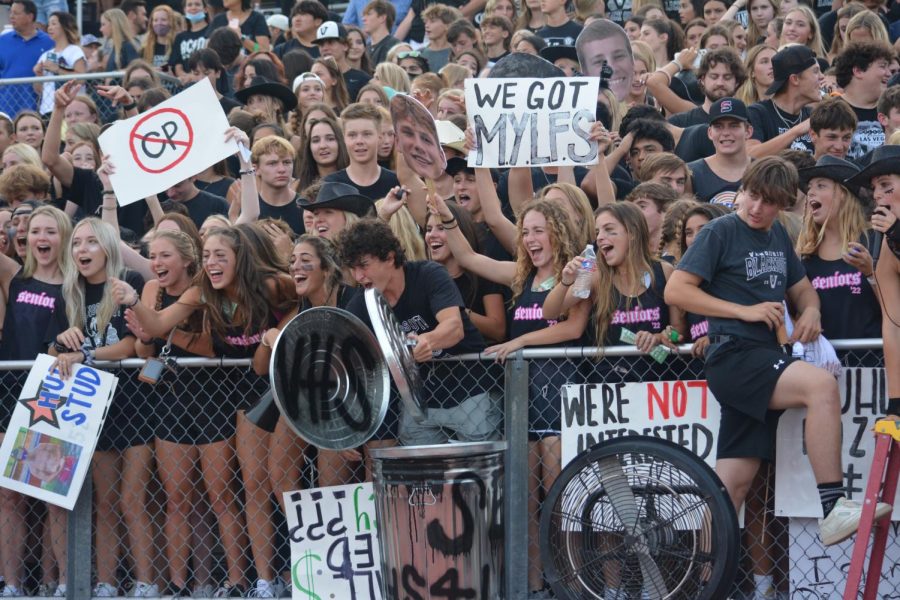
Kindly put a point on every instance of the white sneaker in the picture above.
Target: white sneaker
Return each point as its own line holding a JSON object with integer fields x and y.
{"x": 144, "y": 590}
{"x": 10, "y": 591}
{"x": 60, "y": 591}
{"x": 203, "y": 591}
{"x": 262, "y": 589}
{"x": 843, "y": 520}
{"x": 104, "y": 590}
{"x": 769, "y": 594}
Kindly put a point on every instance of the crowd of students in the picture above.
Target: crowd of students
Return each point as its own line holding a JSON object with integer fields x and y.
{"x": 771, "y": 120}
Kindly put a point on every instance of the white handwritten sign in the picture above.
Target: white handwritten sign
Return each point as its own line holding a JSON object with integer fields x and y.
{"x": 334, "y": 543}
{"x": 51, "y": 436}
{"x": 532, "y": 122}
{"x": 863, "y": 401}
{"x": 683, "y": 412}
{"x": 167, "y": 144}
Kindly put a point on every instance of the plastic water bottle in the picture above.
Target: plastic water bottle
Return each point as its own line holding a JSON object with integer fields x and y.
{"x": 582, "y": 286}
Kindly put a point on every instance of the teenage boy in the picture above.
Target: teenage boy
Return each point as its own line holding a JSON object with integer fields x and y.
{"x": 332, "y": 41}
{"x": 362, "y": 127}
{"x": 862, "y": 69}
{"x": 273, "y": 160}
{"x": 738, "y": 272}
{"x": 653, "y": 199}
{"x": 496, "y": 33}
{"x": 667, "y": 169}
{"x": 564, "y": 57}
{"x": 437, "y": 19}
{"x": 430, "y": 309}
{"x": 888, "y": 117}
{"x": 199, "y": 204}
{"x": 306, "y": 18}
{"x": 716, "y": 179}
{"x": 640, "y": 139}
{"x": 720, "y": 74}
{"x": 782, "y": 121}
{"x": 831, "y": 127}
{"x": 467, "y": 192}
{"x": 558, "y": 29}
{"x": 378, "y": 20}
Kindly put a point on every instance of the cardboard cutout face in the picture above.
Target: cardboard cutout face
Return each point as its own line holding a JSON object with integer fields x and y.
{"x": 606, "y": 43}
{"x": 417, "y": 137}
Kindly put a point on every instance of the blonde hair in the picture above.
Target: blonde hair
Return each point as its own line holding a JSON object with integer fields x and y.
{"x": 562, "y": 243}
{"x": 617, "y": 109}
{"x": 404, "y": 227}
{"x": 454, "y": 74}
{"x": 152, "y": 39}
{"x": 25, "y": 153}
{"x": 642, "y": 52}
{"x": 119, "y": 27}
{"x": 848, "y": 11}
{"x": 748, "y": 93}
{"x": 184, "y": 245}
{"x": 393, "y": 76}
{"x": 815, "y": 43}
{"x": 64, "y": 225}
{"x": 872, "y": 23}
{"x": 579, "y": 207}
{"x": 851, "y": 222}
{"x": 73, "y": 283}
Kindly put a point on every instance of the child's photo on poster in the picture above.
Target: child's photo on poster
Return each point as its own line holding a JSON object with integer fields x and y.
{"x": 43, "y": 461}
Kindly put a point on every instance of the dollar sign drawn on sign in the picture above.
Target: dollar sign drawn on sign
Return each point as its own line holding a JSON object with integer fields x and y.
{"x": 306, "y": 561}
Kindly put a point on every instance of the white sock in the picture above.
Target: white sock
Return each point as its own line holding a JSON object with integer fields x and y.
{"x": 765, "y": 585}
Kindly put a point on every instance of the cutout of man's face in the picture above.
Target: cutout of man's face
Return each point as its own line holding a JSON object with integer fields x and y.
{"x": 417, "y": 137}
{"x": 612, "y": 49}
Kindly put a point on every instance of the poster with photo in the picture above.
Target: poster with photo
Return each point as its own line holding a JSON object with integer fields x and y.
{"x": 51, "y": 436}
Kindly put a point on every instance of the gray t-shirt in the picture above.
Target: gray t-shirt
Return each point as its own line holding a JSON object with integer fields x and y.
{"x": 745, "y": 266}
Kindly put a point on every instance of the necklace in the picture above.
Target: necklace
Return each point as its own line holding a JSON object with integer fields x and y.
{"x": 787, "y": 122}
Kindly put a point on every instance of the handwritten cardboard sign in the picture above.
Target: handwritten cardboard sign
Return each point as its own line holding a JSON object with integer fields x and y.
{"x": 532, "y": 122}
{"x": 161, "y": 147}
{"x": 334, "y": 543}
{"x": 53, "y": 431}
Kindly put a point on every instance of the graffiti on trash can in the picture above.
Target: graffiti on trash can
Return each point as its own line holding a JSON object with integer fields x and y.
{"x": 334, "y": 546}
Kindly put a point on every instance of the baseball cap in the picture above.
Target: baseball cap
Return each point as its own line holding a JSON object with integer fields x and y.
{"x": 790, "y": 61}
{"x": 329, "y": 30}
{"x": 728, "y": 108}
{"x": 278, "y": 21}
{"x": 90, "y": 39}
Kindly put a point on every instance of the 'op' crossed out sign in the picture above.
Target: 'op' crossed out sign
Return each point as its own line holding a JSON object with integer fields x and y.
{"x": 156, "y": 150}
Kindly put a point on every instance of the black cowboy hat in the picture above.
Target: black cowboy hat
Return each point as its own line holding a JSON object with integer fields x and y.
{"x": 260, "y": 86}
{"x": 340, "y": 196}
{"x": 521, "y": 64}
{"x": 554, "y": 53}
{"x": 457, "y": 164}
{"x": 833, "y": 168}
{"x": 885, "y": 161}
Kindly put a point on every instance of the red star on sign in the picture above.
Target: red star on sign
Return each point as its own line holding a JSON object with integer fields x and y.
{"x": 43, "y": 406}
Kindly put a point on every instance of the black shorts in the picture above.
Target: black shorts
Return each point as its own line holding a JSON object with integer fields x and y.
{"x": 742, "y": 377}
{"x": 546, "y": 377}
{"x": 131, "y": 418}
{"x": 188, "y": 413}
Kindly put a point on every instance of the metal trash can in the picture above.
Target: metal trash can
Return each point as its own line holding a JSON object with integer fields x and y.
{"x": 440, "y": 520}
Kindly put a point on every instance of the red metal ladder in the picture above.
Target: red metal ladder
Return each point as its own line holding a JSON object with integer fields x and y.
{"x": 883, "y": 483}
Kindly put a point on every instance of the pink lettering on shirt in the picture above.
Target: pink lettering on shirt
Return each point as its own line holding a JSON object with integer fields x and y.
{"x": 42, "y": 299}
{"x": 839, "y": 280}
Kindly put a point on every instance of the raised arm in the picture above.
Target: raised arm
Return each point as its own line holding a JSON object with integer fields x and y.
{"x": 249, "y": 192}
{"x": 757, "y": 149}
{"x": 519, "y": 188}
{"x": 59, "y": 167}
{"x": 500, "y": 226}
{"x": 658, "y": 83}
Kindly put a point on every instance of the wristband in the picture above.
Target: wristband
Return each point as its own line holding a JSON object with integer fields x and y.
{"x": 262, "y": 341}
{"x": 677, "y": 64}
{"x": 871, "y": 279}
{"x": 59, "y": 347}
{"x": 87, "y": 356}
{"x": 448, "y": 226}
{"x": 564, "y": 284}
{"x": 893, "y": 407}
{"x": 247, "y": 172}
{"x": 133, "y": 304}
{"x": 108, "y": 193}
{"x": 449, "y": 221}
{"x": 127, "y": 107}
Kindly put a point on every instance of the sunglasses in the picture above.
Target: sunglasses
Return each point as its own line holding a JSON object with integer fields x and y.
{"x": 411, "y": 54}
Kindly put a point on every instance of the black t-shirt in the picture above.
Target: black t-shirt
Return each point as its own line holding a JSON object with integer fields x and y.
{"x": 709, "y": 187}
{"x": 769, "y": 121}
{"x": 228, "y": 104}
{"x": 86, "y": 191}
{"x": 868, "y": 135}
{"x": 745, "y": 266}
{"x": 30, "y": 309}
{"x": 618, "y": 11}
{"x": 204, "y": 204}
{"x": 216, "y": 188}
{"x": 294, "y": 44}
{"x": 562, "y": 35}
{"x": 694, "y": 144}
{"x": 355, "y": 80}
{"x": 290, "y": 213}
{"x": 473, "y": 289}
{"x": 698, "y": 326}
{"x": 695, "y": 116}
{"x": 254, "y": 26}
{"x": 849, "y": 306}
{"x": 185, "y": 44}
{"x": 160, "y": 56}
{"x": 115, "y": 331}
{"x": 429, "y": 289}
{"x": 378, "y": 190}
{"x": 378, "y": 52}
{"x": 647, "y": 312}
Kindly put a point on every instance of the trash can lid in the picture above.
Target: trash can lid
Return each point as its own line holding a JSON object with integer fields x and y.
{"x": 438, "y": 450}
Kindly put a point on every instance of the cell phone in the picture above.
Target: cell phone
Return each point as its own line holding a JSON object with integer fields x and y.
{"x": 53, "y": 57}
{"x": 152, "y": 371}
{"x": 401, "y": 193}
{"x": 700, "y": 54}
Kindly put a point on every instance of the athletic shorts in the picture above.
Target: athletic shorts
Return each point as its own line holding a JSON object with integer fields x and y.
{"x": 188, "y": 414}
{"x": 477, "y": 419}
{"x": 545, "y": 380}
{"x": 131, "y": 418}
{"x": 742, "y": 377}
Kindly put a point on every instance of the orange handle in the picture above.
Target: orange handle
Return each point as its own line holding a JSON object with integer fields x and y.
{"x": 782, "y": 335}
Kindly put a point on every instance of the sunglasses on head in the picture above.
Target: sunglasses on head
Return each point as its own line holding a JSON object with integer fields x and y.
{"x": 410, "y": 54}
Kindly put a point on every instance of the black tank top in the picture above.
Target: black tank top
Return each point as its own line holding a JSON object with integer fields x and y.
{"x": 849, "y": 306}
{"x": 527, "y": 314}
{"x": 647, "y": 312}
{"x": 29, "y": 313}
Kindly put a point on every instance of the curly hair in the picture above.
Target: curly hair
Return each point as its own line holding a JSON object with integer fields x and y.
{"x": 370, "y": 237}
{"x": 562, "y": 242}
{"x": 859, "y": 55}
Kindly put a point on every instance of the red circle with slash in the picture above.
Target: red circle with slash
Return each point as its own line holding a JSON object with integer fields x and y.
{"x": 161, "y": 139}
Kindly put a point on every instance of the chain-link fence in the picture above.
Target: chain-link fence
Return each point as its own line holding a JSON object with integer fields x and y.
{"x": 25, "y": 93}
{"x": 198, "y": 507}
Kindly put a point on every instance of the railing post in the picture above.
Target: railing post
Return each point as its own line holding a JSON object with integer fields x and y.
{"x": 516, "y": 477}
{"x": 78, "y": 544}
